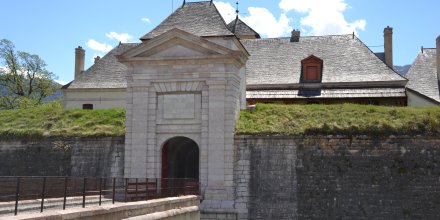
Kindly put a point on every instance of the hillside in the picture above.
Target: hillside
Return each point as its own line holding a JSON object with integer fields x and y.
{"x": 51, "y": 120}
{"x": 402, "y": 70}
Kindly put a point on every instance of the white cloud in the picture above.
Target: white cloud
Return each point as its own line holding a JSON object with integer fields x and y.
{"x": 226, "y": 10}
{"x": 97, "y": 46}
{"x": 323, "y": 16}
{"x": 260, "y": 19}
{"x": 123, "y": 37}
{"x": 265, "y": 23}
{"x": 61, "y": 82}
{"x": 146, "y": 20}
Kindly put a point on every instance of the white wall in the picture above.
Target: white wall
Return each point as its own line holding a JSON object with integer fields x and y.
{"x": 100, "y": 98}
{"x": 415, "y": 99}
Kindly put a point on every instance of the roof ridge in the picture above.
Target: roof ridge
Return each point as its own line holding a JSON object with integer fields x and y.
{"x": 200, "y": 18}
{"x": 322, "y": 36}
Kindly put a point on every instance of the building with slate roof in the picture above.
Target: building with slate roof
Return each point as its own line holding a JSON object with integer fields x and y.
{"x": 424, "y": 78}
{"x": 278, "y": 69}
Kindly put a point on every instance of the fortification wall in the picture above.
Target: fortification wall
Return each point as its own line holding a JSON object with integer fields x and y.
{"x": 89, "y": 157}
{"x": 321, "y": 177}
{"x": 334, "y": 177}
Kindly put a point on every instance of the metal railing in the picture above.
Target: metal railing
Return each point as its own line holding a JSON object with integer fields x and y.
{"x": 40, "y": 193}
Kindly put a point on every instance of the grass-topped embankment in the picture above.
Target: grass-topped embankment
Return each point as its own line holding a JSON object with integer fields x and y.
{"x": 51, "y": 119}
{"x": 347, "y": 119}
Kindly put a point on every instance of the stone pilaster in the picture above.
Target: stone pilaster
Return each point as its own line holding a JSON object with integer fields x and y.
{"x": 139, "y": 125}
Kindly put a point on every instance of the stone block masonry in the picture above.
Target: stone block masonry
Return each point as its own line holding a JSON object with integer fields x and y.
{"x": 75, "y": 157}
{"x": 314, "y": 177}
{"x": 337, "y": 177}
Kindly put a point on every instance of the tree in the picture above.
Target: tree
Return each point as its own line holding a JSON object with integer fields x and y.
{"x": 24, "y": 79}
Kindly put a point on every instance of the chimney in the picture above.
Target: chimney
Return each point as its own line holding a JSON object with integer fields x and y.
{"x": 97, "y": 58}
{"x": 388, "y": 46}
{"x": 79, "y": 61}
{"x": 295, "y": 36}
{"x": 438, "y": 56}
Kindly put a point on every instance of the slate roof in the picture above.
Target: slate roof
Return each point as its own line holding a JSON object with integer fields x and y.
{"x": 423, "y": 75}
{"x": 199, "y": 18}
{"x": 326, "y": 93}
{"x": 106, "y": 73}
{"x": 346, "y": 59}
{"x": 239, "y": 28}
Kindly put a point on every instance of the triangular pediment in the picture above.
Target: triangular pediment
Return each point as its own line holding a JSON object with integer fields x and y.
{"x": 176, "y": 44}
{"x": 177, "y": 47}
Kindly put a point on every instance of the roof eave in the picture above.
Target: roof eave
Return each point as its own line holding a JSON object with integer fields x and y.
{"x": 328, "y": 85}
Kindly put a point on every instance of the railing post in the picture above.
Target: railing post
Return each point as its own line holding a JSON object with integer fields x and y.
{"x": 147, "y": 189}
{"x": 43, "y": 193}
{"x": 126, "y": 188}
{"x": 84, "y": 193}
{"x": 105, "y": 185}
{"x": 136, "y": 189}
{"x": 17, "y": 195}
{"x": 158, "y": 188}
{"x": 65, "y": 193}
{"x": 114, "y": 190}
{"x": 100, "y": 190}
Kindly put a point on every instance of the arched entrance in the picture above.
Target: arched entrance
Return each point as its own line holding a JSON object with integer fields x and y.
{"x": 180, "y": 158}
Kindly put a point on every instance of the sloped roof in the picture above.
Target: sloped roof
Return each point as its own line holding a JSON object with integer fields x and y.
{"x": 346, "y": 60}
{"x": 423, "y": 75}
{"x": 105, "y": 73}
{"x": 199, "y": 18}
{"x": 239, "y": 28}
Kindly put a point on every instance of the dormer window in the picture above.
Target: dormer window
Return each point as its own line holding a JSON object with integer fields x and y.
{"x": 311, "y": 69}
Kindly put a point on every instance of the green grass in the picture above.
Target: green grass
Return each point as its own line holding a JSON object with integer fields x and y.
{"x": 52, "y": 120}
{"x": 346, "y": 119}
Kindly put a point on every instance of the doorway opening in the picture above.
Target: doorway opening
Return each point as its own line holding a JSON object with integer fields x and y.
{"x": 180, "y": 159}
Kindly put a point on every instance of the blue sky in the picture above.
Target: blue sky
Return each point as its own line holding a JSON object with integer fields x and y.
{"x": 53, "y": 28}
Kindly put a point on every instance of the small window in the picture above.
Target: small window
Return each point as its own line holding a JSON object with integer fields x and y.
{"x": 88, "y": 106}
{"x": 311, "y": 68}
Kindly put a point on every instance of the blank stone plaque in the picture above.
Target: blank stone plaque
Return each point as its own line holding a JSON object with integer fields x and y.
{"x": 178, "y": 106}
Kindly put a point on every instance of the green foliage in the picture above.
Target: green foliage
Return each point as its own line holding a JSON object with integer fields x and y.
{"x": 50, "y": 119}
{"x": 24, "y": 81}
{"x": 346, "y": 119}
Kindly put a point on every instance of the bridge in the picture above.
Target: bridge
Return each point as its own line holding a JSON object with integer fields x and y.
{"x": 98, "y": 198}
